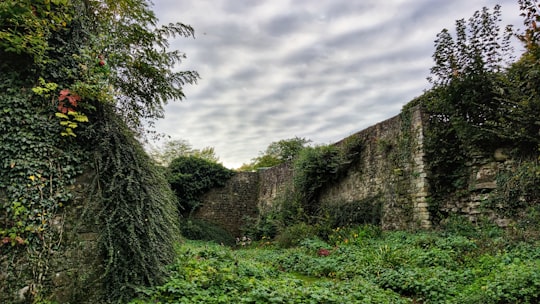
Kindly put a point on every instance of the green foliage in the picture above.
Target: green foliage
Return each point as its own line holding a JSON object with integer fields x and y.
{"x": 176, "y": 148}
{"x": 142, "y": 67}
{"x": 208, "y": 273}
{"x": 314, "y": 168}
{"x": 37, "y": 168}
{"x": 516, "y": 189}
{"x": 134, "y": 208}
{"x": 194, "y": 229}
{"x": 88, "y": 61}
{"x": 27, "y": 27}
{"x": 362, "y": 265}
{"x": 277, "y": 153}
{"x": 190, "y": 177}
{"x": 294, "y": 234}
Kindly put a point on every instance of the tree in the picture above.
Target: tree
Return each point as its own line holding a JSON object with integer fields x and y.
{"x": 468, "y": 78}
{"x": 480, "y": 99}
{"x": 276, "y": 153}
{"x": 522, "y": 119}
{"x": 176, "y": 148}
{"x": 105, "y": 51}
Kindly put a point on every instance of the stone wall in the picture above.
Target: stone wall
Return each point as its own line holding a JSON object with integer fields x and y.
{"x": 390, "y": 171}
{"x": 481, "y": 184}
{"x": 273, "y": 182}
{"x": 230, "y": 205}
{"x": 391, "y": 174}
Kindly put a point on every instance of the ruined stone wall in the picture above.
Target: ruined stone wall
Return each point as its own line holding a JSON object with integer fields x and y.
{"x": 229, "y": 206}
{"x": 481, "y": 185}
{"x": 390, "y": 172}
{"x": 273, "y": 182}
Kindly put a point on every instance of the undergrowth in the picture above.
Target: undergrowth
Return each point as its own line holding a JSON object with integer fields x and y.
{"x": 360, "y": 265}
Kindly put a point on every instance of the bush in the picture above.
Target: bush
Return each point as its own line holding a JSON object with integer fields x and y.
{"x": 194, "y": 229}
{"x": 295, "y": 234}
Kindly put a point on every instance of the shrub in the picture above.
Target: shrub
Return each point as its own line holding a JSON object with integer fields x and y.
{"x": 194, "y": 229}
{"x": 293, "y": 235}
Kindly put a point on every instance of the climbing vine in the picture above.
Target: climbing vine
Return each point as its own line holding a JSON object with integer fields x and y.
{"x": 36, "y": 171}
{"x": 74, "y": 72}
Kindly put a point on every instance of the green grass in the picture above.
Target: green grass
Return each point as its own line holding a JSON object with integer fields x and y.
{"x": 391, "y": 267}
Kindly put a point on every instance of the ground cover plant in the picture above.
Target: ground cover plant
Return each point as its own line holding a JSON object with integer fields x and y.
{"x": 461, "y": 264}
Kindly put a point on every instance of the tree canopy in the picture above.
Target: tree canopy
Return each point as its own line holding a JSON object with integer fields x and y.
{"x": 172, "y": 149}
{"x": 276, "y": 153}
{"x": 103, "y": 51}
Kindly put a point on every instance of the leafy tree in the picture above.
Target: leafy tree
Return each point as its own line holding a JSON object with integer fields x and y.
{"x": 481, "y": 100}
{"x": 276, "y": 153}
{"x": 467, "y": 76}
{"x": 191, "y": 176}
{"x": 521, "y": 118}
{"x": 176, "y": 148}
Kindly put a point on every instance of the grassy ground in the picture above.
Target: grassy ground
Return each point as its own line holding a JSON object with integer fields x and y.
{"x": 360, "y": 265}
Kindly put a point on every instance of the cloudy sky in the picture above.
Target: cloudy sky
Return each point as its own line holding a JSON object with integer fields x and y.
{"x": 321, "y": 70}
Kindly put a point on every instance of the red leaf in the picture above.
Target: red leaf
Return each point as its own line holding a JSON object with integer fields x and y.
{"x": 63, "y": 94}
{"x": 73, "y": 100}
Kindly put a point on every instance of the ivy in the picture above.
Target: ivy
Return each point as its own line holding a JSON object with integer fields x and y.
{"x": 36, "y": 170}
{"x": 134, "y": 208}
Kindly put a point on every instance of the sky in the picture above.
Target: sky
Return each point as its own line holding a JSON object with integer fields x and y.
{"x": 320, "y": 70}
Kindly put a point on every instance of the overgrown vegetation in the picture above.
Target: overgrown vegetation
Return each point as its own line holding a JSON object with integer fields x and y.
{"x": 276, "y": 153}
{"x": 36, "y": 171}
{"x": 481, "y": 101}
{"x": 192, "y": 176}
{"x": 134, "y": 209}
{"x": 314, "y": 169}
{"x": 79, "y": 79}
{"x": 201, "y": 230}
{"x": 471, "y": 264}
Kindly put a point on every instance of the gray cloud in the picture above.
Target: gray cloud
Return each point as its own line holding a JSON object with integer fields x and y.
{"x": 322, "y": 70}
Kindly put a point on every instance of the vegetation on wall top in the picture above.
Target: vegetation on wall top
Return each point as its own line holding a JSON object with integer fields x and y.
{"x": 276, "y": 153}
{"x": 481, "y": 100}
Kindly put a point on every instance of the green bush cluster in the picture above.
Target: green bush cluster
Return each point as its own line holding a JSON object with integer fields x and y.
{"x": 196, "y": 229}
